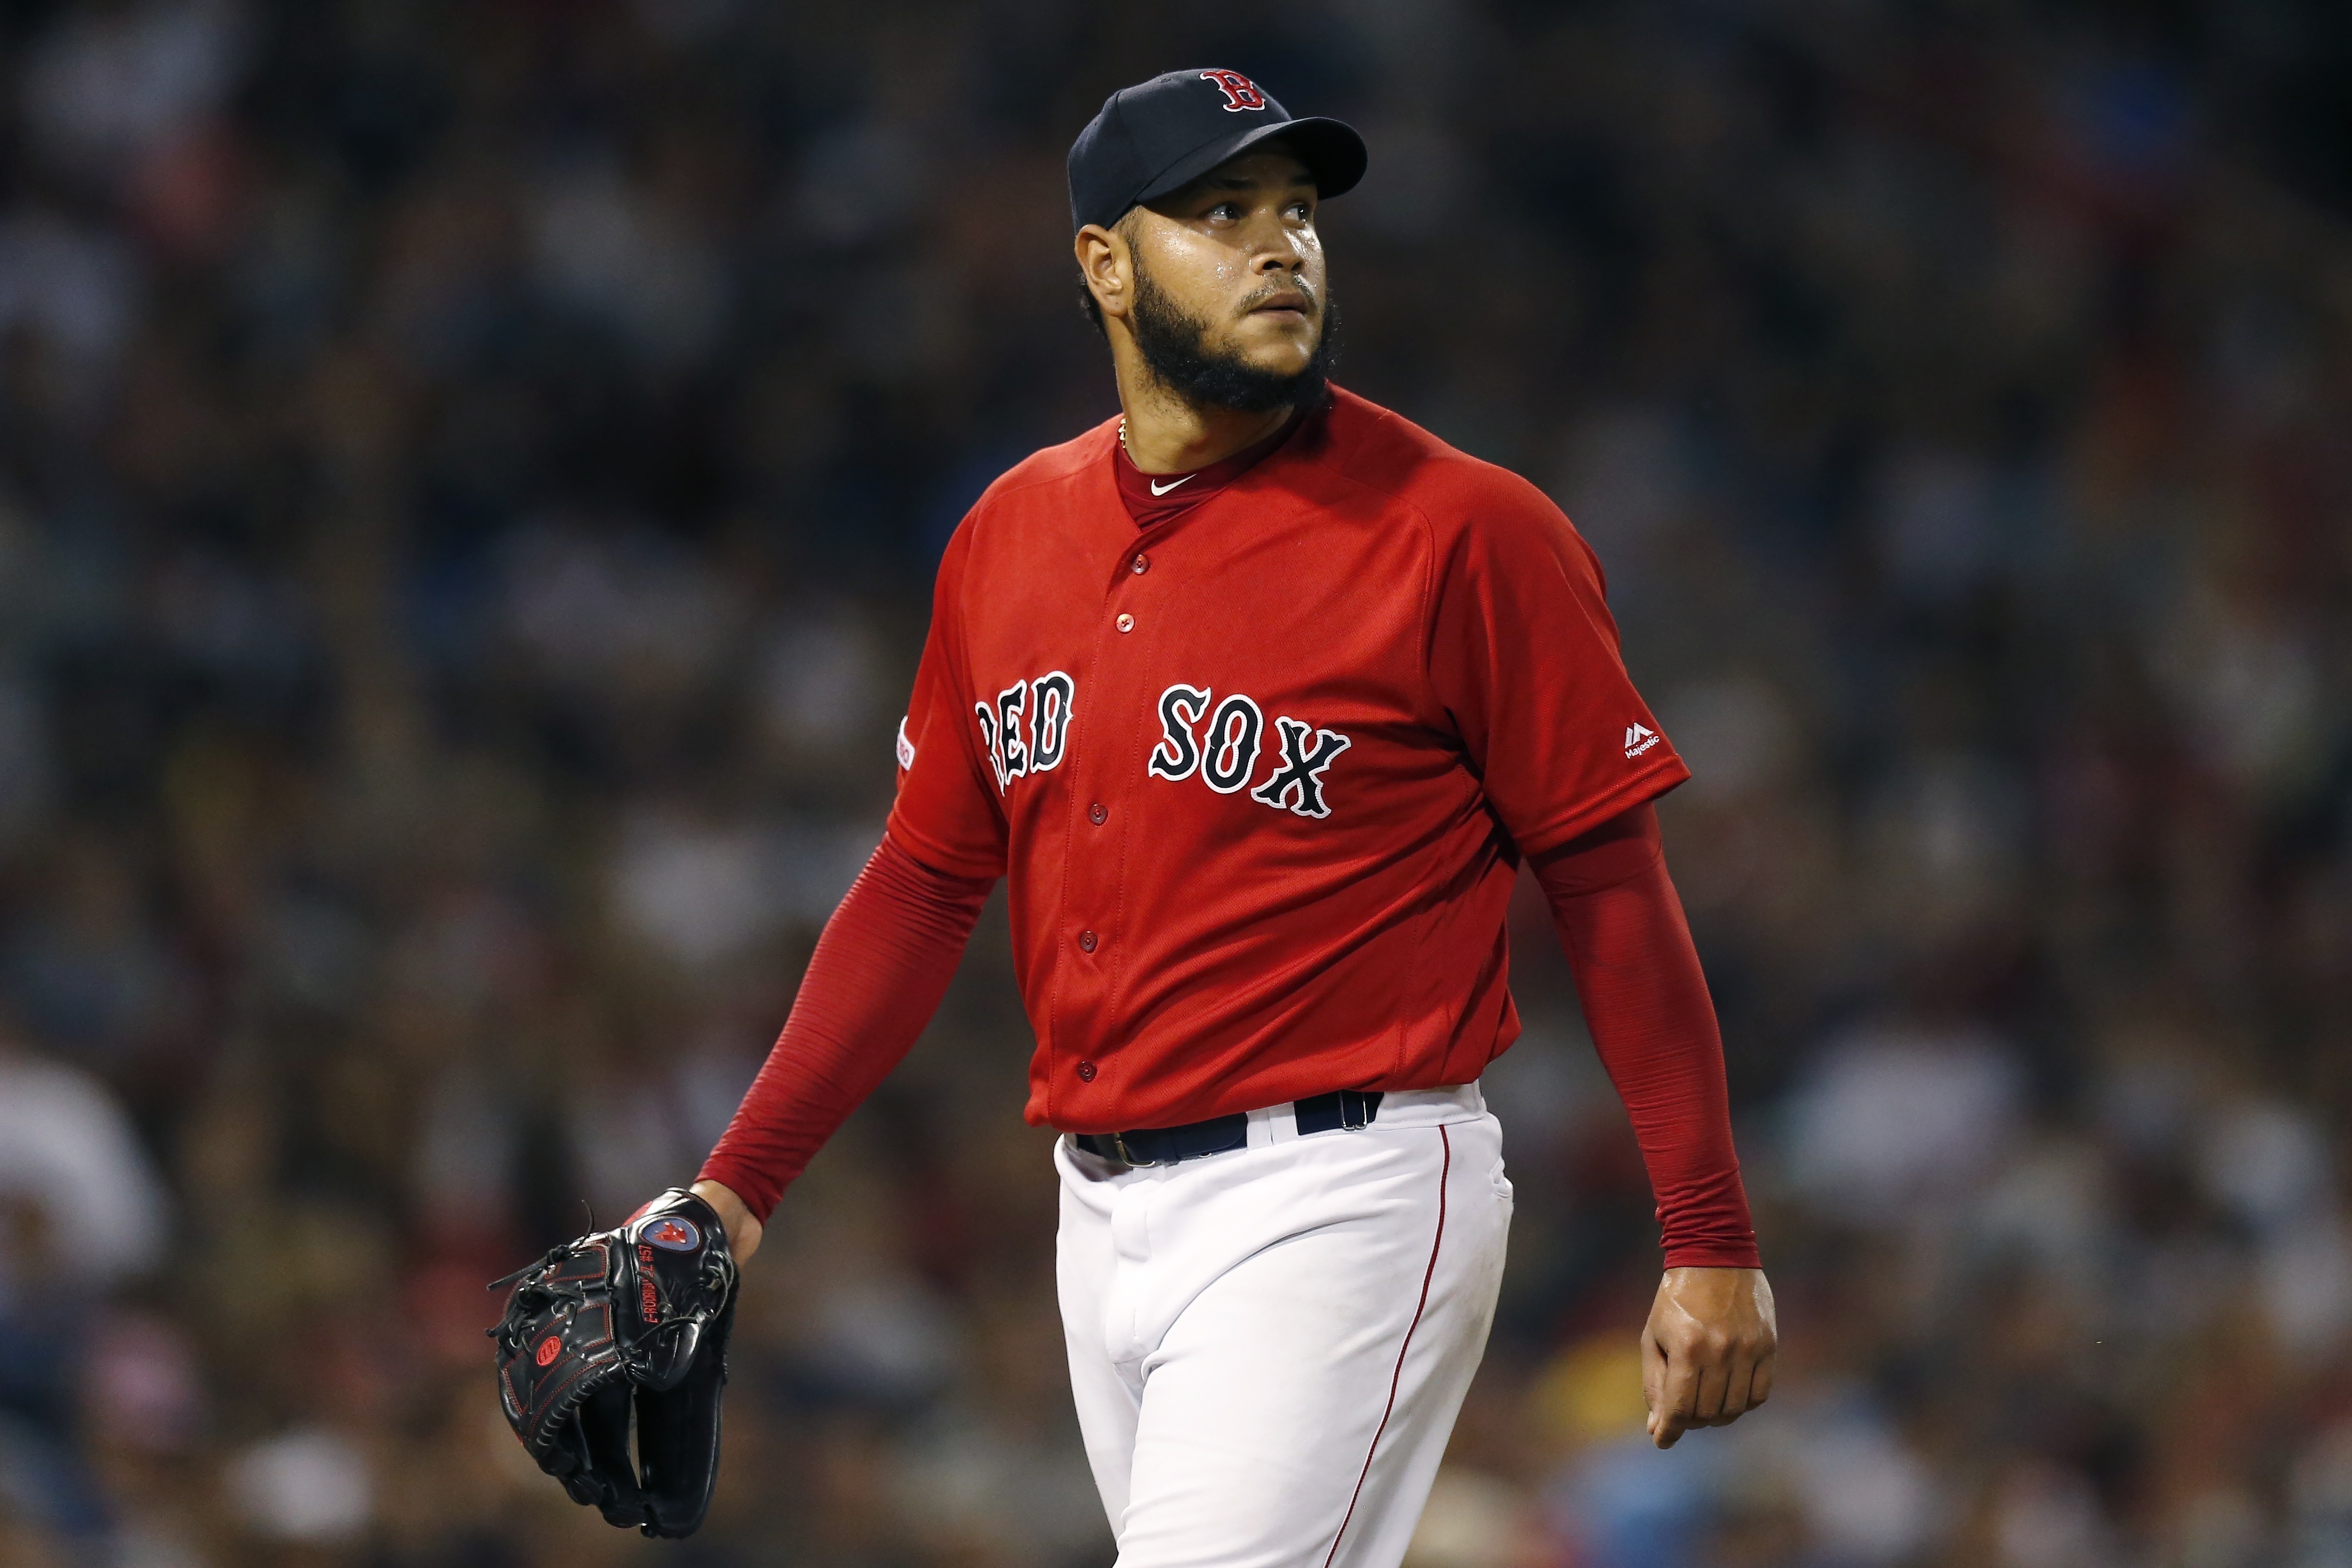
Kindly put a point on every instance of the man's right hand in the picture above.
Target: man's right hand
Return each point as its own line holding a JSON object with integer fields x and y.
{"x": 743, "y": 1231}
{"x": 1708, "y": 1350}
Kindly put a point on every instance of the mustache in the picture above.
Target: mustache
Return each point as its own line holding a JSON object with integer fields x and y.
{"x": 1298, "y": 285}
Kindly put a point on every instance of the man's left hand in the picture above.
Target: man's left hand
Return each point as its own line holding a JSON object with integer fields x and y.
{"x": 1708, "y": 1350}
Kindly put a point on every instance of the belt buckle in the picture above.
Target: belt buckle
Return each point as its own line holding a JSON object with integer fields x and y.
{"x": 1354, "y": 1114}
{"x": 1126, "y": 1154}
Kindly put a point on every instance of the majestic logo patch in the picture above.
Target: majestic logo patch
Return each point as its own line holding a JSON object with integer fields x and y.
{"x": 1240, "y": 92}
{"x": 674, "y": 1235}
{"x": 1026, "y": 729}
{"x": 1224, "y": 752}
{"x": 1639, "y": 738}
{"x": 906, "y": 746}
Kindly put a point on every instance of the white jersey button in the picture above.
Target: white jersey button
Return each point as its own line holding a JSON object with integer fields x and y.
{"x": 1126, "y": 623}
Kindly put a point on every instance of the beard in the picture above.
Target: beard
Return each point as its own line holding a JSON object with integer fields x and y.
{"x": 1175, "y": 349}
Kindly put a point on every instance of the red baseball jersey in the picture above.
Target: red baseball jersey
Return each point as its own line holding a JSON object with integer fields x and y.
{"x": 1260, "y": 774}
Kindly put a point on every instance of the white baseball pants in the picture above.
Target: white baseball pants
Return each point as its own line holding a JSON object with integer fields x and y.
{"x": 1268, "y": 1347}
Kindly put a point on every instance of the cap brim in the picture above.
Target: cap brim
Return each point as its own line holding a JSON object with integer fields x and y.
{"x": 1330, "y": 149}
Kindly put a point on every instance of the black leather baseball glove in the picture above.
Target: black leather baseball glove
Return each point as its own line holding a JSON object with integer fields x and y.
{"x": 636, "y": 1316}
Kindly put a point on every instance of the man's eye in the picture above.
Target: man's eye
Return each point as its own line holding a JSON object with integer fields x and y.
{"x": 1225, "y": 210}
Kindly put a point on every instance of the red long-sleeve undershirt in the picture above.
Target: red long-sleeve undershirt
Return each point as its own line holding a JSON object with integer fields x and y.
{"x": 878, "y": 972}
{"x": 1652, "y": 1021}
{"x": 886, "y": 955}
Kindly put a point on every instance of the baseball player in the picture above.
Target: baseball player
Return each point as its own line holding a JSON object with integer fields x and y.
{"x": 1259, "y": 695}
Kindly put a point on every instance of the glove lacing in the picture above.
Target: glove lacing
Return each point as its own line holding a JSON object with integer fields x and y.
{"x": 537, "y": 1290}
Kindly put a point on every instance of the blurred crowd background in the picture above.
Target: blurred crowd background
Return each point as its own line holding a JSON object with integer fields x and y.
{"x": 470, "y": 475}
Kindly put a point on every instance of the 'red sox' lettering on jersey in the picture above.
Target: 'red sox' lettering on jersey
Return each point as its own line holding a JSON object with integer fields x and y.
{"x": 1370, "y": 670}
{"x": 1024, "y": 730}
{"x": 1226, "y": 753}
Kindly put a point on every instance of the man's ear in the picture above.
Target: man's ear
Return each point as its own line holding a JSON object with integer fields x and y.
{"x": 1107, "y": 266}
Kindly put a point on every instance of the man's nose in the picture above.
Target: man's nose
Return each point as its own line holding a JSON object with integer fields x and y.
{"x": 1275, "y": 249}
{"x": 1278, "y": 253}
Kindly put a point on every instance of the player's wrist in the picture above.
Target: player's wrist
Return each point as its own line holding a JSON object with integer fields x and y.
{"x": 744, "y": 1230}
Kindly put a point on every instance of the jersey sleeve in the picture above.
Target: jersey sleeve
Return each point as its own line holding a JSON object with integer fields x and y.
{"x": 947, "y": 814}
{"x": 1523, "y": 656}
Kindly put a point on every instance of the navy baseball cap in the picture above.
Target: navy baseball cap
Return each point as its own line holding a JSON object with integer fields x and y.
{"x": 1160, "y": 135}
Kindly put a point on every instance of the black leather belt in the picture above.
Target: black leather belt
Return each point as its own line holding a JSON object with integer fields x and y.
{"x": 1221, "y": 1134}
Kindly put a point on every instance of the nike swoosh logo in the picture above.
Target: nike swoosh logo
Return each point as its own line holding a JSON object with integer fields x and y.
{"x": 1159, "y": 489}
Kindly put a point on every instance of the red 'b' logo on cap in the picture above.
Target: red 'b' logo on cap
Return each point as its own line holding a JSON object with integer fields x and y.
{"x": 1240, "y": 92}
